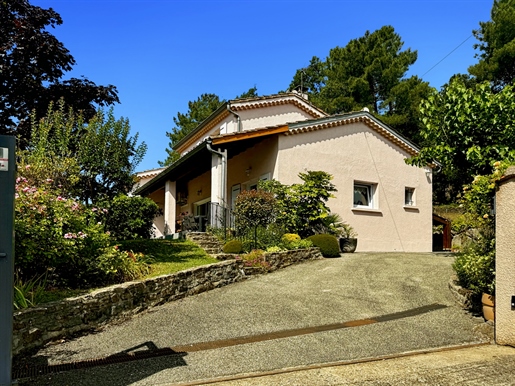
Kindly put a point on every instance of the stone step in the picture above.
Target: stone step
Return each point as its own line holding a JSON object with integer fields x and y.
{"x": 207, "y": 242}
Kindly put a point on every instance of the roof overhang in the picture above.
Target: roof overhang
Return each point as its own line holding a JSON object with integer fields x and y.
{"x": 194, "y": 163}
{"x": 355, "y": 117}
{"x": 198, "y": 160}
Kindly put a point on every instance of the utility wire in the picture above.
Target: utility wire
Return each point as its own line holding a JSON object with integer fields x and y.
{"x": 445, "y": 57}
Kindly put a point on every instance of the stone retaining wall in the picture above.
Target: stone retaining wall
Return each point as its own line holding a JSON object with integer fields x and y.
{"x": 464, "y": 297}
{"x": 34, "y": 327}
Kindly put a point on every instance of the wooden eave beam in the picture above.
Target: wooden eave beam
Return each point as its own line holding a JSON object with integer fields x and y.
{"x": 249, "y": 134}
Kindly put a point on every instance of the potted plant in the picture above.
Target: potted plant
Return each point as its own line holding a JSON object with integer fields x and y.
{"x": 348, "y": 238}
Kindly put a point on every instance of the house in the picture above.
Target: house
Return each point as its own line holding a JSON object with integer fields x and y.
{"x": 388, "y": 202}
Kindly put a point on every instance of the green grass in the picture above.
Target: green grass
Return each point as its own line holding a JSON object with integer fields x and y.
{"x": 169, "y": 256}
{"x": 449, "y": 212}
{"x": 56, "y": 294}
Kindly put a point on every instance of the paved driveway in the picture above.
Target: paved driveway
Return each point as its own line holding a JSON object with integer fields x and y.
{"x": 358, "y": 306}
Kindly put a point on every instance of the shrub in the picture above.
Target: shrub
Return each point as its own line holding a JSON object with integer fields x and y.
{"x": 62, "y": 237}
{"x": 233, "y": 246}
{"x": 301, "y": 244}
{"x": 255, "y": 258}
{"x": 274, "y": 249}
{"x": 328, "y": 244}
{"x": 130, "y": 217}
{"x": 476, "y": 271}
{"x": 302, "y": 207}
{"x": 475, "y": 266}
{"x": 289, "y": 238}
{"x": 293, "y": 241}
{"x": 120, "y": 266}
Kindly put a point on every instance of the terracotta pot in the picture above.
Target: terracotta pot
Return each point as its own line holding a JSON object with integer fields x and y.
{"x": 488, "y": 306}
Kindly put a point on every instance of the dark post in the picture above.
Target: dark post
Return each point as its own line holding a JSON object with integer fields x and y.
{"x": 7, "y": 182}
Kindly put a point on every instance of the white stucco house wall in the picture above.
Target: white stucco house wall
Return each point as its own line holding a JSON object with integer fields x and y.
{"x": 388, "y": 202}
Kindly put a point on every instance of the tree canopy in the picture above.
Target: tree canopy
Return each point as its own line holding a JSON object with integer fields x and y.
{"x": 198, "y": 111}
{"x": 367, "y": 72}
{"x": 32, "y": 65}
{"x": 497, "y": 45}
{"x": 89, "y": 161}
{"x": 467, "y": 130}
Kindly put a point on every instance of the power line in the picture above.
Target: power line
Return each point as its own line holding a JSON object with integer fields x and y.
{"x": 446, "y": 56}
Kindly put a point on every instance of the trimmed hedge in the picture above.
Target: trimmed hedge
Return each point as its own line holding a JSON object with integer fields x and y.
{"x": 233, "y": 246}
{"x": 328, "y": 244}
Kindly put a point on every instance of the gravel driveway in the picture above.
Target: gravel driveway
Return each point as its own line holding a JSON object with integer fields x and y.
{"x": 361, "y": 305}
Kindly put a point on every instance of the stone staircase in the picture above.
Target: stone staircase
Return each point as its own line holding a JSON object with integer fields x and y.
{"x": 206, "y": 241}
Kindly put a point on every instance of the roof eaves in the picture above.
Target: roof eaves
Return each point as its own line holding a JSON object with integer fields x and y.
{"x": 221, "y": 108}
{"x": 335, "y": 120}
{"x": 163, "y": 176}
{"x": 277, "y": 96}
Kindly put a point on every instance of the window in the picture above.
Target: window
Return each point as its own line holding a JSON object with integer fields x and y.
{"x": 363, "y": 195}
{"x": 235, "y": 190}
{"x": 409, "y": 196}
{"x": 253, "y": 185}
{"x": 223, "y": 128}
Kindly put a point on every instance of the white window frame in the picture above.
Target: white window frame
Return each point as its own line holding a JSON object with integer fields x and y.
{"x": 253, "y": 184}
{"x": 235, "y": 191}
{"x": 198, "y": 204}
{"x": 265, "y": 177}
{"x": 411, "y": 191}
{"x": 371, "y": 192}
{"x": 223, "y": 128}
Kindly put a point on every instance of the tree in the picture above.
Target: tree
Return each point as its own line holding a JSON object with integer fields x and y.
{"x": 466, "y": 130}
{"x": 32, "y": 64}
{"x": 108, "y": 157}
{"x": 250, "y": 93}
{"x": 90, "y": 161}
{"x": 254, "y": 208}
{"x": 367, "y": 72}
{"x": 404, "y": 102}
{"x": 198, "y": 111}
{"x": 497, "y": 46}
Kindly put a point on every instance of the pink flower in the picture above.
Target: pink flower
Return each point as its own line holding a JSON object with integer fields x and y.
{"x": 93, "y": 209}
{"x": 27, "y": 167}
{"x": 26, "y": 189}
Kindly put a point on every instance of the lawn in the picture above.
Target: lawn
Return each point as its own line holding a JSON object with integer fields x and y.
{"x": 166, "y": 256}
{"x": 169, "y": 256}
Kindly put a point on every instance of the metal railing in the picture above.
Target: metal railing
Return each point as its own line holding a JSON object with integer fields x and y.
{"x": 217, "y": 217}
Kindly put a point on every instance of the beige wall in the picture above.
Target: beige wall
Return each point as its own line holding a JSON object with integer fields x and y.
{"x": 203, "y": 184}
{"x": 354, "y": 152}
{"x": 505, "y": 260}
{"x": 271, "y": 116}
{"x": 260, "y": 159}
{"x": 159, "y": 222}
{"x": 257, "y": 118}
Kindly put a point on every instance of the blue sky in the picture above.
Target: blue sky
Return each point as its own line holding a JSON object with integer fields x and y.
{"x": 160, "y": 54}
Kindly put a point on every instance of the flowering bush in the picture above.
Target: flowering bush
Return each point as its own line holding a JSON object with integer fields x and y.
{"x": 255, "y": 258}
{"x": 59, "y": 236}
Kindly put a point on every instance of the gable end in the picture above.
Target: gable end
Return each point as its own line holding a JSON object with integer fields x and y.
{"x": 372, "y": 123}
